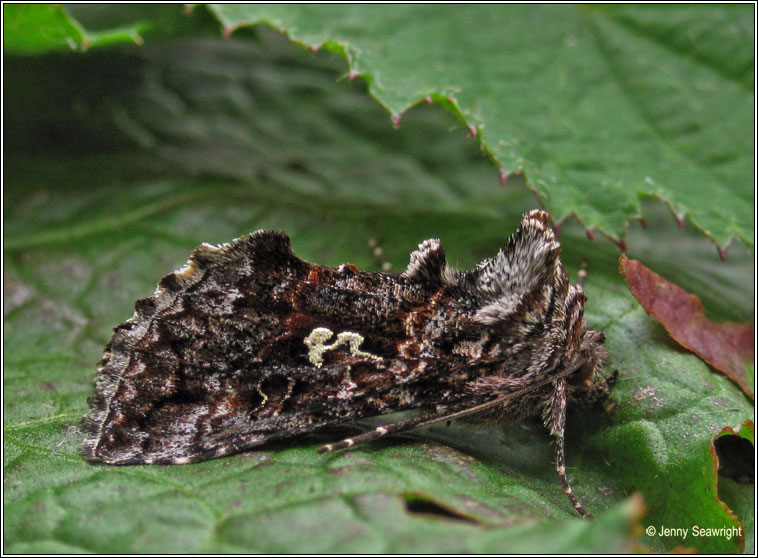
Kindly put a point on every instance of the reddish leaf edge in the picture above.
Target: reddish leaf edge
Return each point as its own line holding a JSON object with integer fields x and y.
{"x": 726, "y": 346}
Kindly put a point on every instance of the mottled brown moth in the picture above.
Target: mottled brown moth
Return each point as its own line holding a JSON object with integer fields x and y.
{"x": 247, "y": 343}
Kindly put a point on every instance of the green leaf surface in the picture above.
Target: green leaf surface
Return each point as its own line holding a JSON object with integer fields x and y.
{"x": 37, "y": 28}
{"x": 598, "y": 106}
{"x": 112, "y": 181}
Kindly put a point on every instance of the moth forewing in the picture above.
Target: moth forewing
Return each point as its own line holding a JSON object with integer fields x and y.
{"x": 248, "y": 343}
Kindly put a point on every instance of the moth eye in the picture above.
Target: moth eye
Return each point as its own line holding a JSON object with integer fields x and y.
{"x": 593, "y": 338}
{"x": 584, "y": 375}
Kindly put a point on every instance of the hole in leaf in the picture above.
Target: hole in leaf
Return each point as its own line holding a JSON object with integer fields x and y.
{"x": 419, "y": 504}
{"x": 735, "y": 455}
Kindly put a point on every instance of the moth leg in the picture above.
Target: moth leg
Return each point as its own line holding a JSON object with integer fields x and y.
{"x": 607, "y": 383}
{"x": 555, "y": 420}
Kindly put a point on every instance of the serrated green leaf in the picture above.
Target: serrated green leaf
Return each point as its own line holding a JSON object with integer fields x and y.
{"x": 233, "y": 137}
{"x": 598, "y": 106}
{"x": 37, "y": 28}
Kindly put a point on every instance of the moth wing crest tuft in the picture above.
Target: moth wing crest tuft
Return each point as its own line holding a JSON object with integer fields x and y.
{"x": 428, "y": 264}
{"x": 528, "y": 263}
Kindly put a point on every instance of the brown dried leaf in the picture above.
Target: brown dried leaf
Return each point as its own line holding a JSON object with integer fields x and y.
{"x": 726, "y": 346}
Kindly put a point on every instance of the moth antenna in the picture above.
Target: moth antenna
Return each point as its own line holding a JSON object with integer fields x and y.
{"x": 378, "y": 253}
{"x": 427, "y": 419}
{"x": 420, "y": 421}
{"x": 375, "y": 434}
{"x": 582, "y": 274}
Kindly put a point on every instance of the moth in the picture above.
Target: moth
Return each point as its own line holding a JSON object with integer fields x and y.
{"x": 247, "y": 343}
